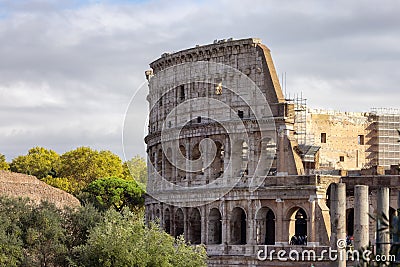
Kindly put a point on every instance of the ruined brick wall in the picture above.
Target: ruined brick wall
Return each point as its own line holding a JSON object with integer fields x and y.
{"x": 344, "y": 138}
{"x": 27, "y": 186}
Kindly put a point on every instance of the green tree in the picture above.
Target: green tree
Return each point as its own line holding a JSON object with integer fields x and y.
{"x": 39, "y": 162}
{"x": 114, "y": 192}
{"x": 84, "y": 165}
{"x": 122, "y": 240}
{"x": 136, "y": 169}
{"x": 3, "y": 163}
{"x": 11, "y": 244}
{"x": 44, "y": 236}
{"x": 68, "y": 185}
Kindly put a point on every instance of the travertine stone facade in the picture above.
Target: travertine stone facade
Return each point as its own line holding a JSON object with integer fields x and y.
{"x": 224, "y": 166}
{"x": 239, "y": 220}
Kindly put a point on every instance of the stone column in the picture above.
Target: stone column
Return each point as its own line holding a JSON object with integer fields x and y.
{"x": 227, "y": 163}
{"x": 281, "y": 149}
{"x": 251, "y": 237}
{"x": 361, "y": 217}
{"x": 185, "y": 223}
{"x": 279, "y": 224}
{"x": 204, "y": 225}
{"x": 187, "y": 164}
{"x": 225, "y": 223}
{"x": 312, "y": 239}
{"x": 383, "y": 236}
{"x": 338, "y": 222}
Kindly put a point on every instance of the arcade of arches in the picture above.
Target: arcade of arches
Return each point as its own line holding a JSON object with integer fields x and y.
{"x": 210, "y": 225}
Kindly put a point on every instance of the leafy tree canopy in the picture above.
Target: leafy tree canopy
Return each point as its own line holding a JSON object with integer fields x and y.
{"x": 3, "y": 163}
{"x": 42, "y": 235}
{"x": 84, "y": 165}
{"x": 136, "y": 169}
{"x": 39, "y": 162}
{"x": 122, "y": 240}
{"x": 114, "y": 192}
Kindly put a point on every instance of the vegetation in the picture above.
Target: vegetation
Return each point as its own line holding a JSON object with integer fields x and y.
{"x": 3, "y": 164}
{"x": 113, "y": 192}
{"x": 84, "y": 165}
{"x": 136, "y": 169}
{"x": 39, "y": 162}
{"x": 75, "y": 170}
{"x": 45, "y": 236}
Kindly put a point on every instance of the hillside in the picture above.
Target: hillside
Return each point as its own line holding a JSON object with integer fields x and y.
{"x": 22, "y": 185}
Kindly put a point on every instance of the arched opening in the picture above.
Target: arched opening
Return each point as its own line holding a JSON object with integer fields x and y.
{"x": 168, "y": 166}
{"x": 265, "y": 226}
{"x": 240, "y": 158}
{"x": 167, "y": 221}
{"x": 195, "y": 156}
{"x": 182, "y": 173}
{"x": 245, "y": 159}
{"x": 267, "y": 162}
{"x": 195, "y": 226}
{"x": 238, "y": 227}
{"x": 179, "y": 223}
{"x": 392, "y": 213}
{"x": 350, "y": 223}
{"x": 159, "y": 161}
{"x": 214, "y": 227}
{"x": 157, "y": 215}
{"x": 298, "y": 226}
{"x": 217, "y": 166}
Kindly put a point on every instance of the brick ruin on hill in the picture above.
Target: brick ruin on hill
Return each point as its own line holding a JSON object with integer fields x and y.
{"x": 27, "y": 186}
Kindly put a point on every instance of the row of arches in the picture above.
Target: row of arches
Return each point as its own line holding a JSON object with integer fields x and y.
{"x": 240, "y": 155}
{"x": 176, "y": 223}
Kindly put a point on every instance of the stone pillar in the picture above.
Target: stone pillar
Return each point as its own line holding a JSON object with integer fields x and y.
{"x": 338, "y": 222}
{"x": 361, "y": 217}
{"x": 225, "y": 223}
{"x": 227, "y": 163}
{"x": 251, "y": 236}
{"x": 279, "y": 224}
{"x": 281, "y": 155}
{"x": 311, "y": 229}
{"x": 185, "y": 223}
{"x": 383, "y": 236}
{"x": 187, "y": 164}
{"x": 204, "y": 225}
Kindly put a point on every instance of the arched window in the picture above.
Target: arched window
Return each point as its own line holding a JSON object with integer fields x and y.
{"x": 167, "y": 221}
{"x": 195, "y": 156}
{"x": 265, "y": 223}
{"x": 238, "y": 227}
{"x": 214, "y": 227}
{"x": 240, "y": 158}
{"x": 179, "y": 223}
{"x": 245, "y": 159}
{"x": 217, "y": 166}
{"x": 267, "y": 162}
{"x": 182, "y": 172}
{"x": 159, "y": 161}
{"x": 298, "y": 226}
{"x": 195, "y": 226}
{"x": 350, "y": 222}
{"x": 168, "y": 166}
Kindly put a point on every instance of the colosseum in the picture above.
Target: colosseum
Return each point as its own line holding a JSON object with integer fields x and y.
{"x": 235, "y": 165}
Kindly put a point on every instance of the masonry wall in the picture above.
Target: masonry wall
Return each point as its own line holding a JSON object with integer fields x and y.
{"x": 343, "y": 137}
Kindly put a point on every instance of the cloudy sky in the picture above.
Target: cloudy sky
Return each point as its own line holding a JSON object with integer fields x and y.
{"x": 69, "y": 69}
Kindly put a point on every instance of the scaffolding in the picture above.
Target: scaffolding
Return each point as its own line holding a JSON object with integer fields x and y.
{"x": 300, "y": 118}
{"x": 386, "y": 136}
